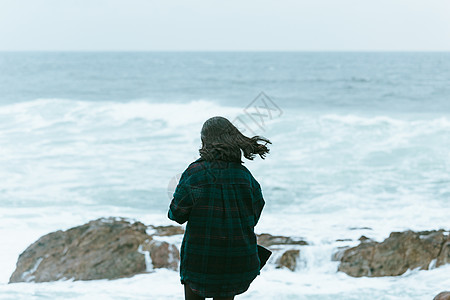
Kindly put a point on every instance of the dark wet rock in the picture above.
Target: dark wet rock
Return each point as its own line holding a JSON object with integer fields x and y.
{"x": 398, "y": 253}
{"x": 360, "y": 228}
{"x": 442, "y": 296}
{"x": 105, "y": 248}
{"x": 364, "y": 238}
{"x": 289, "y": 259}
{"x": 268, "y": 240}
{"x": 343, "y": 240}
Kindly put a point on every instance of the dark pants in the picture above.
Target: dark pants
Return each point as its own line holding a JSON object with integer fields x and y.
{"x": 190, "y": 295}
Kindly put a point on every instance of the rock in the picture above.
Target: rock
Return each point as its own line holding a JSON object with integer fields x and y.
{"x": 267, "y": 240}
{"x": 289, "y": 259}
{"x": 343, "y": 240}
{"x": 360, "y": 228}
{"x": 105, "y": 248}
{"x": 162, "y": 254}
{"x": 337, "y": 256}
{"x": 442, "y": 296}
{"x": 364, "y": 238}
{"x": 166, "y": 230}
{"x": 444, "y": 256}
{"x": 398, "y": 253}
{"x": 110, "y": 248}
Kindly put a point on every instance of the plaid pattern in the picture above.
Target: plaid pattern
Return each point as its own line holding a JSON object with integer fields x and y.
{"x": 222, "y": 203}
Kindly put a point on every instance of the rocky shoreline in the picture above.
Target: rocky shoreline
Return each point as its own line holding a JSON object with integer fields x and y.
{"x": 396, "y": 254}
{"x": 114, "y": 247}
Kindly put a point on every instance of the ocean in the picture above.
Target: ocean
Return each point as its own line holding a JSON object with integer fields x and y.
{"x": 360, "y": 146}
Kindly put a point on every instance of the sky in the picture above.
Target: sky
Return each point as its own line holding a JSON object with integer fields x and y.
{"x": 224, "y": 25}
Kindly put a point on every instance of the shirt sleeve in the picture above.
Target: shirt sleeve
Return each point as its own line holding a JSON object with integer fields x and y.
{"x": 258, "y": 201}
{"x": 181, "y": 204}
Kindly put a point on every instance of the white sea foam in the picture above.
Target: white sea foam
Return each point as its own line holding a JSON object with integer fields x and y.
{"x": 272, "y": 283}
{"x": 148, "y": 259}
{"x": 328, "y": 176}
{"x": 42, "y": 113}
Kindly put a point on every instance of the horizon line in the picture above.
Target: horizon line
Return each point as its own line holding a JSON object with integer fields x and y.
{"x": 236, "y": 51}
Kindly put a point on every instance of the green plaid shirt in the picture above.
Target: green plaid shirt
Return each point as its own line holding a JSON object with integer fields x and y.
{"x": 221, "y": 202}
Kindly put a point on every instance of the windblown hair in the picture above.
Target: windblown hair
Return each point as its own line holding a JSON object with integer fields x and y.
{"x": 221, "y": 140}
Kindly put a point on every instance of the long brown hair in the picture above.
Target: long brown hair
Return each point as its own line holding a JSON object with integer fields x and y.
{"x": 221, "y": 140}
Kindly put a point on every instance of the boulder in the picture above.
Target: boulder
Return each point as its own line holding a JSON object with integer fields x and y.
{"x": 442, "y": 296}
{"x": 289, "y": 259}
{"x": 444, "y": 256}
{"x": 106, "y": 248}
{"x": 267, "y": 240}
{"x": 165, "y": 230}
{"x": 162, "y": 254}
{"x": 110, "y": 248}
{"x": 337, "y": 256}
{"x": 398, "y": 253}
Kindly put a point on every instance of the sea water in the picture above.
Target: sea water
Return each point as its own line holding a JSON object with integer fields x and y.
{"x": 360, "y": 146}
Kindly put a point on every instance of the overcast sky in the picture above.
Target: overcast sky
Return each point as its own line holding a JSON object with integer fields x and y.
{"x": 262, "y": 25}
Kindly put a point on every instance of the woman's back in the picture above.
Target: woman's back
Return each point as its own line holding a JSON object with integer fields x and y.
{"x": 222, "y": 203}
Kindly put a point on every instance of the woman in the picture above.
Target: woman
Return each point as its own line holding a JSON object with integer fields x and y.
{"x": 222, "y": 203}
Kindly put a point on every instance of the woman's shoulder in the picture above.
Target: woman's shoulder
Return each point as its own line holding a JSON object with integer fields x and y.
{"x": 196, "y": 165}
{"x": 255, "y": 182}
{"x": 200, "y": 165}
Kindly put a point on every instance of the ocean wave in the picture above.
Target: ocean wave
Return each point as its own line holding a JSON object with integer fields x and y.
{"x": 47, "y": 112}
{"x": 361, "y": 120}
{"x": 100, "y": 152}
{"x": 438, "y": 122}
